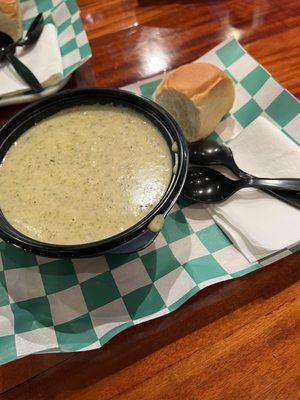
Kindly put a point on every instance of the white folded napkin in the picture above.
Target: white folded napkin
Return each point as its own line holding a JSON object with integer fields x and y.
{"x": 43, "y": 59}
{"x": 257, "y": 223}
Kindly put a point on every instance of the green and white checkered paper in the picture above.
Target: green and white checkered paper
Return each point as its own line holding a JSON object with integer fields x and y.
{"x": 72, "y": 305}
{"x": 65, "y": 15}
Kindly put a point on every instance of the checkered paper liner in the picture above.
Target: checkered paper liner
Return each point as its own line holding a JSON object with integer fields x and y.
{"x": 65, "y": 15}
{"x": 51, "y": 305}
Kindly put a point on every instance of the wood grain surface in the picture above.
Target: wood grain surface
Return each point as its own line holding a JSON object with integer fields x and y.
{"x": 236, "y": 340}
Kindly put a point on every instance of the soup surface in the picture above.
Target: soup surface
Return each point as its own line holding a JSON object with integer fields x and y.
{"x": 84, "y": 174}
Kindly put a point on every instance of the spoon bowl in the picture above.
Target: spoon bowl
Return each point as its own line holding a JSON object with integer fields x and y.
{"x": 5, "y": 41}
{"x": 209, "y": 152}
{"x": 206, "y": 185}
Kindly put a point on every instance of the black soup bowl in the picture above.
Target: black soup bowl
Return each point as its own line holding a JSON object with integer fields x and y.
{"x": 136, "y": 237}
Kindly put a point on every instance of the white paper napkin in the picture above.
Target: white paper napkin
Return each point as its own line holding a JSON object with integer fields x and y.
{"x": 259, "y": 224}
{"x": 43, "y": 59}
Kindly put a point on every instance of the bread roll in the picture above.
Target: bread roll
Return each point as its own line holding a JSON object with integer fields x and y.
{"x": 11, "y": 18}
{"x": 198, "y": 95}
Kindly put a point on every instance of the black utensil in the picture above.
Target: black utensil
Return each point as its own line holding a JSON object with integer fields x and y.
{"x": 209, "y": 152}
{"x": 20, "y": 68}
{"x": 32, "y": 35}
{"x": 5, "y": 42}
{"x": 206, "y": 185}
{"x": 34, "y": 31}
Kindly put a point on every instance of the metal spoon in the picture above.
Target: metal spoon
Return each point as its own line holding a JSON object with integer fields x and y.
{"x": 209, "y": 152}
{"x": 20, "y": 68}
{"x": 206, "y": 185}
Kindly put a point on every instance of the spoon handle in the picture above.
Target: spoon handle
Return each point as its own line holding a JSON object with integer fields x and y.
{"x": 232, "y": 165}
{"x": 25, "y": 73}
{"x": 291, "y": 184}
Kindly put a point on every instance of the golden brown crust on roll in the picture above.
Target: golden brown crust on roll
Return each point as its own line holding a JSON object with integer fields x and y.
{"x": 198, "y": 95}
{"x": 11, "y": 18}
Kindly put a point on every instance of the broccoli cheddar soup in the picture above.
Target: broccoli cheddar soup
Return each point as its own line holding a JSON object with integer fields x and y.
{"x": 84, "y": 174}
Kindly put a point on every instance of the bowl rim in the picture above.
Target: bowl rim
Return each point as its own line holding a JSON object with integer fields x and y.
{"x": 11, "y": 235}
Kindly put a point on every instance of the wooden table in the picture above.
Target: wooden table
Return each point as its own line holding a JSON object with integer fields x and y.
{"x": 236, "y": 340}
